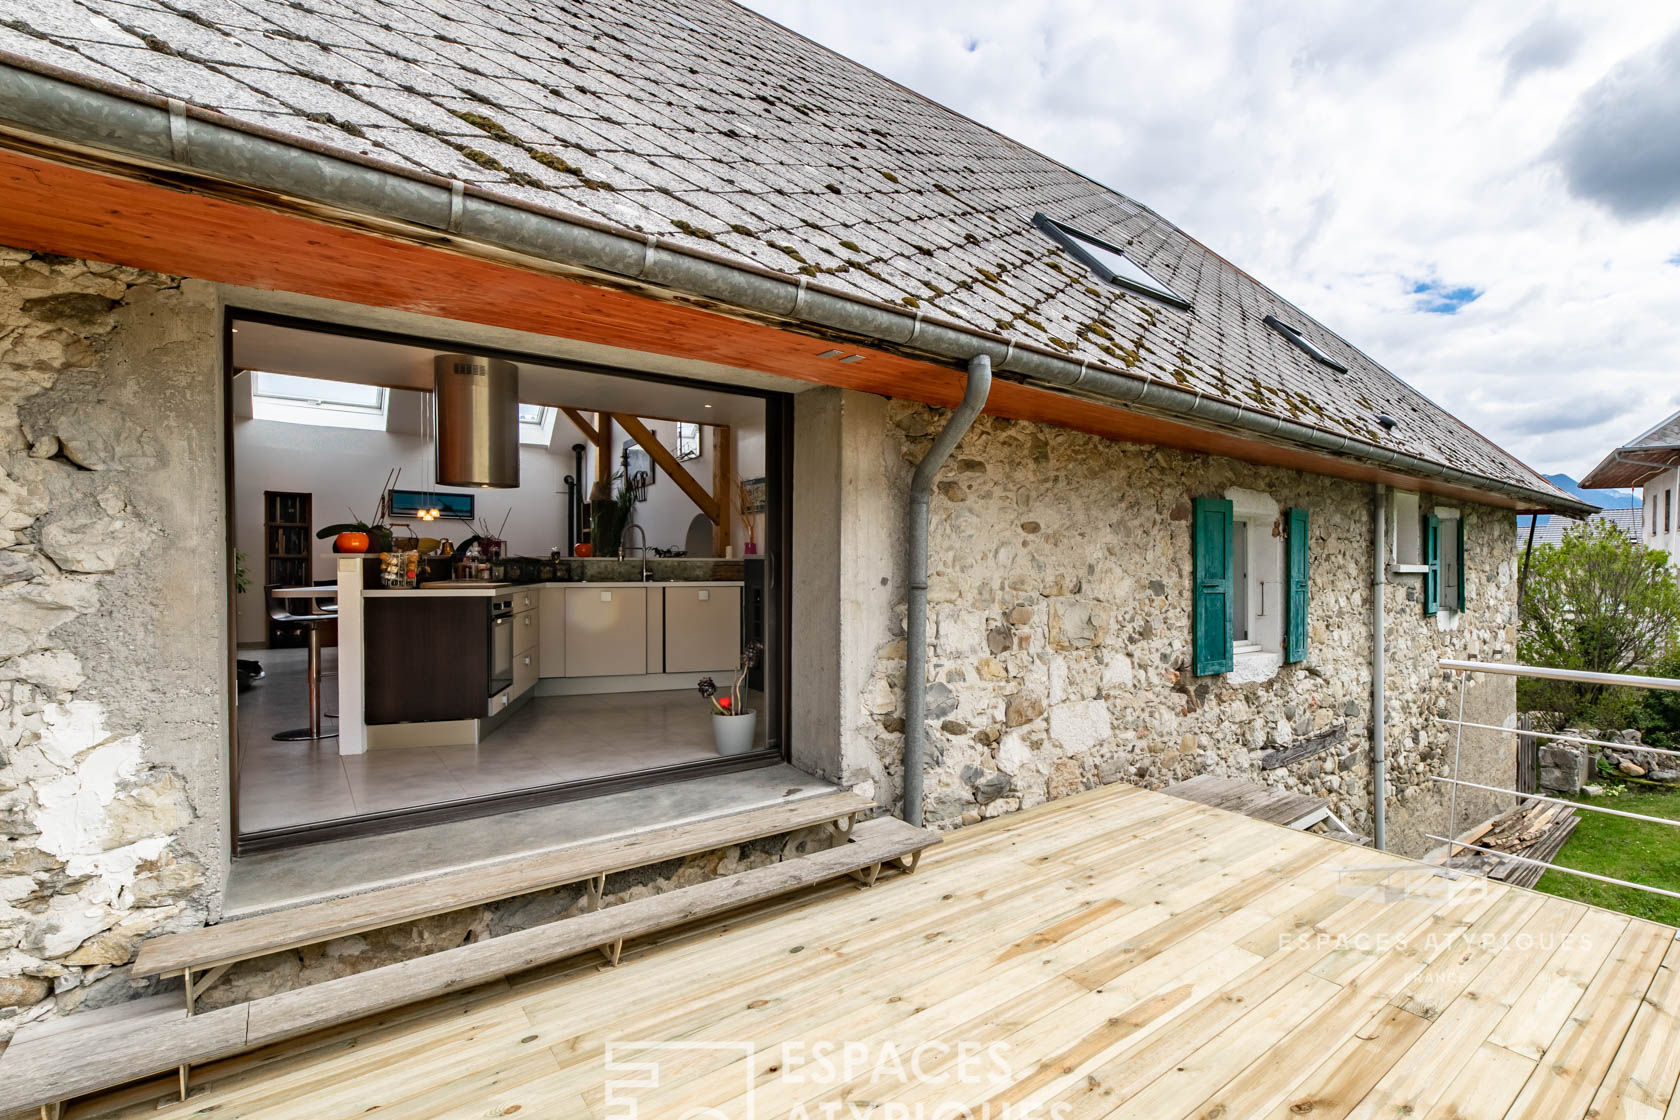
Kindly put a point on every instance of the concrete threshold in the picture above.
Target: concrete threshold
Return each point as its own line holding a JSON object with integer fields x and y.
{"x": 275, "y": 880}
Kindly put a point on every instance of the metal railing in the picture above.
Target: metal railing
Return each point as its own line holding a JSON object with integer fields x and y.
{"x": 1464, "y": 669}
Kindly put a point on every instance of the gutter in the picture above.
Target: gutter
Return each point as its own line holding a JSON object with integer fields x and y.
{"x": 915, "y": 622}
{"x": 41, "y": 99}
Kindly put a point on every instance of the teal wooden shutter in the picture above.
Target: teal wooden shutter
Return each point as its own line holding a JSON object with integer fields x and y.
{"x": 1432, "y": 555}
{"x": 1461, "y": 580}
{"x": 1295, "y": 579}
{"x": 1211, "y": 607}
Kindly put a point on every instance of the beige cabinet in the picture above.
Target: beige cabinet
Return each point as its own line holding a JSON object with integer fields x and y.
{"x": 606, "y": 631}
{"x": 551, "y": 631}
{"x": 702, "y": 628}
{"x": 524, "y": 672}
{"x": 526, "y": 630}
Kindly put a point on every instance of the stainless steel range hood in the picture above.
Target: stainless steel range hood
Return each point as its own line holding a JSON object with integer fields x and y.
{"x": 477, "y": 421}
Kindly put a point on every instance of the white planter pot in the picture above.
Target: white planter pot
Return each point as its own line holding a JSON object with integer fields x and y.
{"x": 735, "y": 734}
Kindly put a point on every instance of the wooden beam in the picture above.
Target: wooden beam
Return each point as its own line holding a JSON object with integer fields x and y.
{"x": 667, "y": 462}
{"x": 582, "y": 425}
{"x": 723, "y": 487}
{"x": 603, "y": 447}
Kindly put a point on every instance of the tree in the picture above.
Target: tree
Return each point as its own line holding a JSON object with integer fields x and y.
{"x": 1598, "y": 602}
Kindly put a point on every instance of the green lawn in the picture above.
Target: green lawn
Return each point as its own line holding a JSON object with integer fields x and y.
{"x": 1638, "y": 851}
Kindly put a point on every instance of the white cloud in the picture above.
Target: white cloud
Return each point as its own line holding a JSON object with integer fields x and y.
{"x": 1344, "y": 154}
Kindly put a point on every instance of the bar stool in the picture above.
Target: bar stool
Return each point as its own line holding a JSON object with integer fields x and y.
{"x": 312, "y": 623}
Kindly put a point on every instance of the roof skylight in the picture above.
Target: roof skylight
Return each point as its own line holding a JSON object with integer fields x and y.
{"x": 1305, "y": 344}
{"x": 312, "y": 400}
{"x": 1107, "y": 261}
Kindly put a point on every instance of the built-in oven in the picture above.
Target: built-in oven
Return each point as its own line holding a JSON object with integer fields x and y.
{"x": 501, "y": 644}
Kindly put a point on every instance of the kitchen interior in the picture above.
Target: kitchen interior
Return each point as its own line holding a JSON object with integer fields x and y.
{"x": 471, "y": 582}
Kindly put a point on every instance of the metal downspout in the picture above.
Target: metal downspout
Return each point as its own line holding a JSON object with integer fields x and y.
{"x": 1379, "y": 758}
{"x": 915, "y": 626}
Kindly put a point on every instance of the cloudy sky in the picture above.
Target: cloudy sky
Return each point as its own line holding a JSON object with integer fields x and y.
{"x": 1484, "y": 197}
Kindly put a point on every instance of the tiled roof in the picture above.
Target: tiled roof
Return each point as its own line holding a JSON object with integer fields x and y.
{"x": 710, "y": 126}
{"x": 1665, "y": 436}
{"x": 1552, "y": 528}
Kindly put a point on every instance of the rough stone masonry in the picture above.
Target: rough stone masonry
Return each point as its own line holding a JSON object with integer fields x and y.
{"x": 1061, "y": 649}
{"x": 113, "y": 646}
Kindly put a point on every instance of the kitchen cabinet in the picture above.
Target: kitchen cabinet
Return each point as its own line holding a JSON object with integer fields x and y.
{"x": 524, "y": 672}
{"x": 702, "y": 628}
{"x": 526, "y": 629}
{"x": 606, "y": 631}
{"x": 551, "y": 631}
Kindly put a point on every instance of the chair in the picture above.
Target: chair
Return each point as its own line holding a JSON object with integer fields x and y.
{"x": 312, "y": 621}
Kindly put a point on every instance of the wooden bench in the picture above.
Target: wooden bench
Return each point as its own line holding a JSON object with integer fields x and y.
{"x": 1251, "y": 799}
{"x": 49, "y": 1063}
{"x": 202, "y": 956}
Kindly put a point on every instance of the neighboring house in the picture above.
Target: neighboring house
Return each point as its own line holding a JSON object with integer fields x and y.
{"x": 1551, "y": 529}
{"x": 1652, "y": 463}
{"x": 1158, "y": 553}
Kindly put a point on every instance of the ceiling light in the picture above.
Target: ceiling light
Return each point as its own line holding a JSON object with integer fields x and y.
{"x": 831, "y": 353}
{"x": 708, "y": 406}
{"x": 851, "y": 359}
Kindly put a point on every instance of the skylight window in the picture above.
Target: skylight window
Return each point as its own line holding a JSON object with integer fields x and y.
{"x": 536, "y": 423}
{"x": 1301, "y": 341}
{"x": 312, "y": 400}
{"x": 1107, "y": 261}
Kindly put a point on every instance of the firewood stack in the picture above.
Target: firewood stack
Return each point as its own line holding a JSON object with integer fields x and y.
{"x": 1536, "y": 830}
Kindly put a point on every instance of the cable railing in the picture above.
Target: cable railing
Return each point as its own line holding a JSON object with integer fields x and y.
{"x": 1463, "y": 669}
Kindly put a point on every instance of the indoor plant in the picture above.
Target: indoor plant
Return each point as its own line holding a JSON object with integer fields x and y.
{"x": 357, "y": 535}
{"x": 609, "y": 513}
{"x": 733, "y": 726}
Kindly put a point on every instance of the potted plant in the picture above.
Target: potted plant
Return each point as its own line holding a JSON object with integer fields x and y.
{"x": 609, "y": 513}
{"x": 733, "y": 726}
{"x": 357, "y": 535}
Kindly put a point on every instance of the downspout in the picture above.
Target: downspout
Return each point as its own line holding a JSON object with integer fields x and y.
{"x": 1379, "y": 757}
{"x": 915, "y": 625}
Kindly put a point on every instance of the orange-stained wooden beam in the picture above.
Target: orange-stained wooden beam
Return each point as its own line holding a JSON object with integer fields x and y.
{"x": 723, "y": 487}
{"x": 267, "y": 242}
{"x": 589, "y": 431}
{"x": 667, "y": 462}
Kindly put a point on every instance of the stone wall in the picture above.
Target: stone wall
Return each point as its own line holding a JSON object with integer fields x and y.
{"x": 113, "y": 642}
{"x": 1060, "y": 647}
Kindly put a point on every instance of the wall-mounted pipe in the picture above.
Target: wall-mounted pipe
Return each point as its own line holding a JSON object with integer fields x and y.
{"x": 45, "y": 100}
{"x": 1379, "y": 757}
{"x": 915, "y": 624}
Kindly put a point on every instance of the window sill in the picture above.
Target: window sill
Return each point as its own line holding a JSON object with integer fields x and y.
{"x": 1254, "y": 666}
{"x": 1408, "y": 569}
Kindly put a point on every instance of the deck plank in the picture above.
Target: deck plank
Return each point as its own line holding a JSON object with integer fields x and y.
{"x": 1134, "y": 954}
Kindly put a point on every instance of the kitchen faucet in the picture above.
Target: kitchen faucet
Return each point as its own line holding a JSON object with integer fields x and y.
{"x": 644, "y": 546}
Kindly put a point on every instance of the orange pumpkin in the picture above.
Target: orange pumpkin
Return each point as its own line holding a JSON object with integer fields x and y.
{"x": 351, "y": 542}
{"x": 584, "y": 550}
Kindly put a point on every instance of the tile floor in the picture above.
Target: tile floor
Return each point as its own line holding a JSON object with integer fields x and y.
{"x": 551, "y": 740}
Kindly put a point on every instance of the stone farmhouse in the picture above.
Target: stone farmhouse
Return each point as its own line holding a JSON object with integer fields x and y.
{"x": 1054, "y": 496}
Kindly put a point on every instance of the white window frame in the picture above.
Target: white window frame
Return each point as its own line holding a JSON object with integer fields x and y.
{"x": 296, "y": 407}
{"x": 1405, "y": 533}
{"x": 1261, "y": 655}
{"x": 541, "y": 430}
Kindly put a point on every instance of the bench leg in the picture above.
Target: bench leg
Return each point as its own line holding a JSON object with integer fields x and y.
{"x": 867, "y": 875}
{"x": 52, "y": 1111}
{"x": 611, "y": 952}
{"x": 183, "y": 1070}
{"x": 907, "y": 864}
{"x": 842, "y": 828}
{"x": 593, "y": 890}
{"x": 187, "y": 985}
{"x": 202, "y": 985}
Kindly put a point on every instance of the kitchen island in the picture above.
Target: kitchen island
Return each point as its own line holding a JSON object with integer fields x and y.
{"x": 447, "y": 665}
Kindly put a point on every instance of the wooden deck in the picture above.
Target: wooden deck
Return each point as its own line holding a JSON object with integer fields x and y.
{"x": 1121, "y": 953}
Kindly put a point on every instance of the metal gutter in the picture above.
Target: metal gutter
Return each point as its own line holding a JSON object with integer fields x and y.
{"x": 979, "y": 386}
{"x": 65, "y": 106}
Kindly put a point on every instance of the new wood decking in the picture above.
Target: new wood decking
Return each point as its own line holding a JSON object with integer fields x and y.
{"x": 1121, "y": 953}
